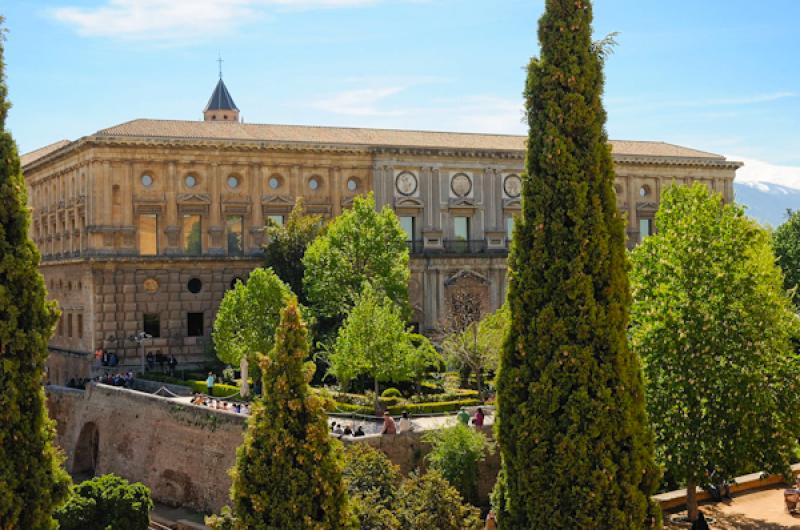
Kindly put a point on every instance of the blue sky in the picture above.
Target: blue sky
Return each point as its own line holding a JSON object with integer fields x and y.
{"x": 719, "y": 75}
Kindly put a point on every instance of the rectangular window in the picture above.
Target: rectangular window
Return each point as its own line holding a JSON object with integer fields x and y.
{"x": 80, "y": 325}
{"x": 277, "y": 219}
{"x": 509, "y": 226}
{"x": 194, "y": 324}
{"x": 151, "y": 324}
{"x": 645, "y": 228}
{"x": 148, "y": 234}
{"x": 408, "y": 222}
{"x": 61, "y": 326}
{"x": 69, "y": 325}
{"x": 235, "y": 228}
{"x": 461, "y": 228}
{"x": 192, "y": 235}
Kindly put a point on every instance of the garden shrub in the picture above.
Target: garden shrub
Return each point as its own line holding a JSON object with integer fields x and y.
{"x": 367, "y": 468}
{"x": 347, "y": 407}
{"x": 220, "y": 390}
{"x": 391, "y": 392}
{"x": 456, "y": 453}
{"x": 390, "y": 401}
{"x": 428, "y": 501}
{"x": 434, "y": 407}
{"x": 158, "y": 377}
{"x": 106, "y": 502}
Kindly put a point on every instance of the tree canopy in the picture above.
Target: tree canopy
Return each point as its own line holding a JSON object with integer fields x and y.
{"x": 288, "y": 472}
{"x": 713, "y": 325}
{"x": 361, "y": 245}
{"x": 376, "y": 341}
{"x": 786, "y": 240}
{"x": 286, "y": 246}
{"x": 575, "y": 446}
{"x": 32, "y": 481}
{"x": 248, "y": 316}
{"x": 106, "y": 502}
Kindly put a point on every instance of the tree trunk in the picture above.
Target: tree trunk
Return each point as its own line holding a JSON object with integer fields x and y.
{"x": 479, "y": 379}
{"x": 691, "y": 500}
{"x": 377, "y": 398}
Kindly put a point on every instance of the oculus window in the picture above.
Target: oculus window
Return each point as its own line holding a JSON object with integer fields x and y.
{"x": 195, "y": 285}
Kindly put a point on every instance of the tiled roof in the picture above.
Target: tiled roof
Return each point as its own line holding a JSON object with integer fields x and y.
{"x": 33, "y": 156}
{"x": 220, "y": 99}
{"x": 220, "y": 130}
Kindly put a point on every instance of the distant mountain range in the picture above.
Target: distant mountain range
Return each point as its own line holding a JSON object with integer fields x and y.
{"x": 767, "y": 202}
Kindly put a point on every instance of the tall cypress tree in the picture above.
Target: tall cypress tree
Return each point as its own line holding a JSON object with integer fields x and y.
{"x": 32, "y": 482}
{"x": 576, "y": 449}
{"x": 288, "y": 473}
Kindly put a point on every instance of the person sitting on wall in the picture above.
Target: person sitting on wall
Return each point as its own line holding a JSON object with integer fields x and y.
{"x": 359, "y": 431}
{"x": 718, "y": 487}
{"x": 337, "y": 429}
{"x": 348, "y": 430}
{"x": 333, "y": 426}
{"x": 389, "y": 426}
{"x": 150, "y": 361}
{"x": 405, "y": 424}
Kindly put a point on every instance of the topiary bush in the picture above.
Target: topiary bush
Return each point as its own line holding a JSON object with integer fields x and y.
{"x": 106, "y": 502}
{"x": 391, "y": 392}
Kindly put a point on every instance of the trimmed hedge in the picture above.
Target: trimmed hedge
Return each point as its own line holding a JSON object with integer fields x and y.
{"x": 163, "y": 378}
{"x": 220, "y": 390}
{"x": 391, "y": 393}
{"x": 347, "y": 407}
{"x": 436, "y": 406}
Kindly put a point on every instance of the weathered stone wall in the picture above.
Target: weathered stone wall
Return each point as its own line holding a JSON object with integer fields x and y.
{"x": 181, "y": 452}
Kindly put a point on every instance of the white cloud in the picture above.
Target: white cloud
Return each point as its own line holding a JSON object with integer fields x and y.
{"x": 757, "y": 172}
{"x": 179, "y": 20}
{"x": 359, "y": 102}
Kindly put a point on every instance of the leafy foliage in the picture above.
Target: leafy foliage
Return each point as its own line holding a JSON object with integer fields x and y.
{"x": 288, "y": 472}
{"x": 786, "y": 240}
{"x": 713, "y": 324}
{"x": 429, "y": 501}
{"x": 367, "y": 469}
{"x": 286, "y": 246}
{"x": 374, "y": 341}
{"x": 572, "y": 429}
{"x": 106, "y": 502}
{"x": 456, "y": 452}
{"x": 360, "y": 246}
{"x": 248, "y": 315}
{"x": 32, "y": 482}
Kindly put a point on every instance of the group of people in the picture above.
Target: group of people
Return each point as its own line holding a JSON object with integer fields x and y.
{"x": 340, "y": 429}
{"x": 477, "y": 419}
{"x": 400, "y": 427}
{"x": 219, "y": 404}
{"x": 117, "y": 379}
{"x": 151, "y": 360}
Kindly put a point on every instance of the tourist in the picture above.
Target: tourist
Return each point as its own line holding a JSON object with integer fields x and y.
{"x": 491, "y": 521}
{"x": 700, "y": 523}
{"x": 463, "y": 416}
{"x": 717, "y": 486}
{"x": 224, "y": 405}
{"x": 405, "y": 424}
{"x": 389, "y": 426}
{"x": 478, "y": 419}
{"x": 237, "y": 408}
{"x": 333, "y": 426}
{"x": 172, "y": 363}
{"x": 359, "y": 431}
{"x": 210, "y": 383}
{"x": 151, "y": 361}
{"x": 348, "y": 430}
{"x": 338, "y": 429}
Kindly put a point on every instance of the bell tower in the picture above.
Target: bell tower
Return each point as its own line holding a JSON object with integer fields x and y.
{"x": 220, "y": 106}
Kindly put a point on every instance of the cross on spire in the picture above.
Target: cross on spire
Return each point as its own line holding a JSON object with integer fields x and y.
{"x": 219, "y": 60}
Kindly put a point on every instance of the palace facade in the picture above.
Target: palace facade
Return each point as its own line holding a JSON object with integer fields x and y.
{"x": 143, "y": 226}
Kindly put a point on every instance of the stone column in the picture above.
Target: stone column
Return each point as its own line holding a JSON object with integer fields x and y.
{"x": 335, "y": 179}
{"x": 258, "y": 175}
{"x": 172, "y": 227}
{"x": 215, "y": 229}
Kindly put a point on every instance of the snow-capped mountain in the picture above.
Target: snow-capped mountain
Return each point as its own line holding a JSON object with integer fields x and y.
{"x": 767, "y": 190}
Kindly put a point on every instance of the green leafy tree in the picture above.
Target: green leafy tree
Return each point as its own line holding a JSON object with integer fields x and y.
{"x": 372, "y": 482}
{"x": 286, "y": 246}
{"x": 106, "y": 502}
{"x": 786, "y": 240}
{"x": 430, "y": 501}
{"x": 572, "y": 429}
{"x": 456, "y": 453}
{"x": 477, "y": 345}
{"x": 248, "y": 316}
{"x": 361, "y": 245}
{"x": 375, "y": 341}
{"x": 288, "y": 472}
{"x": 713, "y": 324}
{"x": 32, "y": 482}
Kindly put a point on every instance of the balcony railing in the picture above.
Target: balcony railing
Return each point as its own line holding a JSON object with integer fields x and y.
{"x": 463, "y": 246}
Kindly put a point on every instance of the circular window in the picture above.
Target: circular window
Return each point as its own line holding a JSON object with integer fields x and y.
{"x": 644, "y": 191}
{"x": 352, "y": 184}
{"x": 313, "y": 183}
{"x": 190, "y": 181}
{"x": 461, "y": 185}
{"x": 194, "y": 285}
{"x": 512, "y": 185}
{"x": 151, "y": 285}
{"x": 147, "y": 180}
{"x": 235, "y": 280}
{"x": 274, "y": 183}
{"x": 233, "y": 182}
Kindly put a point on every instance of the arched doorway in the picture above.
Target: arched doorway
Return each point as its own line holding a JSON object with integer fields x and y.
{"x": 86, "y": 451}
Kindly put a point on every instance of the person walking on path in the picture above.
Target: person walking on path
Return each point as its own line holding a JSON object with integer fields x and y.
{"x": 210, "y": 383}
{"x": 389, "y": 426}
{"x": 463, "y": 416}
{"x": 478, "y": 419}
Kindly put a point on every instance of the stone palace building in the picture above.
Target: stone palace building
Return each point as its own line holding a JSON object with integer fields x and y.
{"x": 143, "y": 226}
